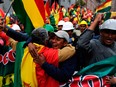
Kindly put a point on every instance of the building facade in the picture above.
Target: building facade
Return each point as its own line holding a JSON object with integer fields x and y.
{"x": 92, "y": 4}
{"x": 67, "y": 3}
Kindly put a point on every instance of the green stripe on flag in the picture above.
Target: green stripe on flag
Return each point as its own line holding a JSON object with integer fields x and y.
{"x": 102, "y": 68}
{"x": 107, "y": 16}
{"x": 53, "y": 22}
{"x": 22, "y": 15}
{"x": 19, "y": 56}
{"x": 105, "y": 9}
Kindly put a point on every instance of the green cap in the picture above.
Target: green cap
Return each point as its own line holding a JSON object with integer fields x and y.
{"x": 49, "y": 27}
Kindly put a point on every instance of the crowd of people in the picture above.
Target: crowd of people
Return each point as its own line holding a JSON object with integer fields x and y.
{"x": 51, "y": 56}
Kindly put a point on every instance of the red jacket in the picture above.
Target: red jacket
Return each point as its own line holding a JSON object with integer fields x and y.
{"x": 43, "y": 79}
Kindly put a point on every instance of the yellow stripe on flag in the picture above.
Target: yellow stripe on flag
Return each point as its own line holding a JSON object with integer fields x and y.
{"x": 104, "y": 6}
{"x": 56, "y": 16}
{"x": 113, "y": 14}
{"x": 28, "y": 72}
{"x": 33, "y": 13}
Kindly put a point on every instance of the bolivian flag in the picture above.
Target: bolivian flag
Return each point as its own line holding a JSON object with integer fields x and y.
{"x": 105, "y": 7}
{"x": 29, "y": 74}
{"x": 47, "y": 8}
{"x": 30, "y": 12}
{"x": 94, "y": 75}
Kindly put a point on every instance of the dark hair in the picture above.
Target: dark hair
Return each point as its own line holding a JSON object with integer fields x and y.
{"x": 39, "y": 35}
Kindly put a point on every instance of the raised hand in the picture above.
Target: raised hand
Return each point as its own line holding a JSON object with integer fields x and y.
{"x": 40, "y": 59}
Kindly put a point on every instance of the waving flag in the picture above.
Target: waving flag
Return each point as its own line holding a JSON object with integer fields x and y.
{"x": 29, "y": 74}
{"x": 105, "y": 7}
{"x": 2, "y": 14}
{"x": 30, "y": 12}
{"x": 94, "y": 75}
{"x": 47, "y": 8}
{"x": 55, "y": 7}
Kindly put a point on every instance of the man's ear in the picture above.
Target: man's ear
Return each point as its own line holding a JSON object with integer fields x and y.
{"x": 65, "y": 43}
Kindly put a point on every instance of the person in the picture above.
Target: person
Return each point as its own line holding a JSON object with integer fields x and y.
{"x": 66, "y": 19}
{"x": 65, "y": 69}
{"x": 57, "y": 42}
{"x": 8, "y": 29}
{"x": 68, "y": 27}
{"x": 111, "y": 80}
{"x": 7, "y": 58}
{"x": 60, "y": 24}
{"x": 63, "y": 39}
{"x": 53, "y": 56}
{"x": 105, "y": 46}
{"x": 83, "y": 25}
{"x": 13, "y": 42}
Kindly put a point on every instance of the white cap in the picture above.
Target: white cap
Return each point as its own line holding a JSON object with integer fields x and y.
{"x": 61, "y": 22}
{"x": 15, "y": 27}
{"x": 62, "y": 34}
{"x": 108, "y": 24}
{"x": 68, "y": 26}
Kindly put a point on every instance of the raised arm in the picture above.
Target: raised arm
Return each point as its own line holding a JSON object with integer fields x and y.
{"x": 87, "y": 35}
{"x": 12, "y": 33}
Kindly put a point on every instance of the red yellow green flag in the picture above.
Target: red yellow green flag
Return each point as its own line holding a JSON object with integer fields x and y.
{"x": 55, "y": 7}
{"x": 105, "y": 7}
{"x": 30, "y": 12}
{"x": 47, "y": 8}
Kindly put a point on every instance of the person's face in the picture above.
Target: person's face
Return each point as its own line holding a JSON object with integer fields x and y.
{"x": 108, "y": 36}
{"x": 60, "y": 27}
{"x": 82, "y": 27}
{"x": 57, "y": 42}
{"x": 70, "y": 33}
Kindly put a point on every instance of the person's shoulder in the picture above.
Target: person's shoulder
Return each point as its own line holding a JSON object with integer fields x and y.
{"x": 94, "y": 40}
{"x": 69, "y": 46}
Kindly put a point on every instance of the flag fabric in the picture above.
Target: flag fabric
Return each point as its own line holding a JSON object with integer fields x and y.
{"x": 108, "y": 15}
{"x": 47, "y": 8}
{"x": 7, "y": 62}
{"x": 18, "y": 79}
{"x": 27, "y": 72}
{"x": 113, "y": 14}
{"x": 60, "y": 15}
{"x": 19, "y": 55}
{"x": 104, "y": 7}
{"x": 56, "y": 14}
{"x": 2, "y": 14}
{"x": 94, "y": 75}
{"x": 30, "y": 12}
{"x": 55, "y": 7}
{"x": 53, "y": 22}
{"x": 27, "y": 65}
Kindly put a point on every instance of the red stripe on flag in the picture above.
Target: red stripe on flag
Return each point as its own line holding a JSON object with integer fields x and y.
{"x": 107, "y": 1}
{"x": 47, "y": 8}
{"x": 40, "y": 5}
